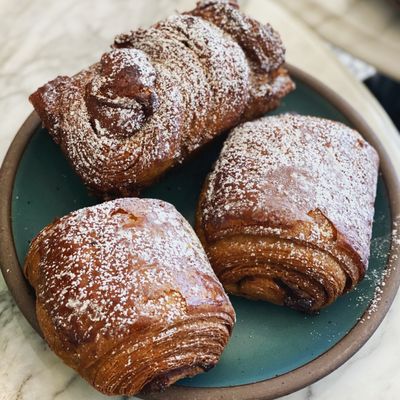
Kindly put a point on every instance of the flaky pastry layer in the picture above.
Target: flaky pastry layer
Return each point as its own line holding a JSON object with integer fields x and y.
{"x": 286, "y": 215}
{"x": 161, "y": 93}
{"x": 125, "y": 295}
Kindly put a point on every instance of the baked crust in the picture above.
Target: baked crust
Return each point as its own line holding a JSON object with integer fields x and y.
{"x": 161, "y": 93}
{"x": 286, "y": 215}
{"x": 125, "y": 295}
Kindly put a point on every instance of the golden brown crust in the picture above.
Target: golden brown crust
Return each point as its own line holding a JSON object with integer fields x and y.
{"x": 286, "y": 215}
{"x": 127, "y": 297}
{"x": 161, "y": 93}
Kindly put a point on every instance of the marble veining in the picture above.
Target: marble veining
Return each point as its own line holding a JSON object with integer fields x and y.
{"x": 30, "y": 371}
{"x": 41, "y": 39}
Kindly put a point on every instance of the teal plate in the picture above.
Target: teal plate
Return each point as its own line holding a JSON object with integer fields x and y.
{"x": 268, "y": 341}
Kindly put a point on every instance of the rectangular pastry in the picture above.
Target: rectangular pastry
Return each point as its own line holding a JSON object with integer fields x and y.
{"x": 161, "y": 93}
{"x": 125, "y": 295}
{"x": 286, "y": 215}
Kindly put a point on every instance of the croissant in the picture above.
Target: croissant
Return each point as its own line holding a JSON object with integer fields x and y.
{"x": 125, "y": 295}
{"x": 286, "y": 214}
{"x": 162, "y": 93}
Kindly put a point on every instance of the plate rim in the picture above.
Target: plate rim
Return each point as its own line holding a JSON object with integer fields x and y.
{"x": 266, "y": 389}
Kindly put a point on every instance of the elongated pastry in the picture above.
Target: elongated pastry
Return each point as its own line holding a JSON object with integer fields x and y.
{"x": 286, "y": 215}
{"x": 125, "y": 295}
{"x": 161, "y": 93}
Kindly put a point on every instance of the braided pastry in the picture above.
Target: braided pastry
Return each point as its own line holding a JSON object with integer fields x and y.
{"x": 161, "y": 93}
{"x": 286, "y": 215}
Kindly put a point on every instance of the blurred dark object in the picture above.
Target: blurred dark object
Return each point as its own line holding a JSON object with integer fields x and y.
{"x": 395, "y": 3}
{"x": 387, "y": 91}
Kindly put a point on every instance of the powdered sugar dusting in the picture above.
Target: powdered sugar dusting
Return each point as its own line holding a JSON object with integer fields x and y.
{"x": 262, "y": 45}
{"x": 279, "y": 169}
{"x": 160, "y": 94}
{"x": 122, "y": 264}
{"x": 380, "y": 279}
{"x": 208, "y": 66}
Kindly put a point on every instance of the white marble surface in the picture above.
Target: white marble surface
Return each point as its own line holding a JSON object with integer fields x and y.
{"x": 44, "y": 38}
{"x": 369, "y": 29}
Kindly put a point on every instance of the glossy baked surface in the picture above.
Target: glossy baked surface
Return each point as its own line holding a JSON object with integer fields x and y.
{"x": 125, "y": 295}
{"x": 267, "y": 340}
{"x": 190, "y": 78}
{"x": 286, "y": 215}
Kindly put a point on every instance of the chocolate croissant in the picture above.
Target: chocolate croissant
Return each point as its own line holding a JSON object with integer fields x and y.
{"x": 162, "y": 93}
{"x": 286, "y": 215}
{"x": 125, "y": 295}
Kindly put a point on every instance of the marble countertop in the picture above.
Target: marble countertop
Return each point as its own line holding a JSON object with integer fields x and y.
{"x": 44, "y": 38}
{"x": 369, "y": 29}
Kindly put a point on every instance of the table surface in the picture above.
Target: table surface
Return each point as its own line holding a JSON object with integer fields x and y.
{"x": 42, "y": 39}
{"x": 368, "y": 29}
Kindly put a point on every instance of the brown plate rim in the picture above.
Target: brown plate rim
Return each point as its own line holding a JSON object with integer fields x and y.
{"x": 263, "y": 390}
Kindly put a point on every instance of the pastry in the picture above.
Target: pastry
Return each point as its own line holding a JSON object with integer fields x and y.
{"x": 125, "y": 295}
{"x": 286, "y": 215}
{"x": 161, "y": 93}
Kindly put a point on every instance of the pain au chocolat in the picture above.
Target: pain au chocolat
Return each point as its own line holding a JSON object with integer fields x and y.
{"x": 125, "y": 295}
{"x": 161, "y": 93}
{"x": 286, "y": 215}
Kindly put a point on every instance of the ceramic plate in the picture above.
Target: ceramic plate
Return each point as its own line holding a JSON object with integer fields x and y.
{"x": 273, "y": 350}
